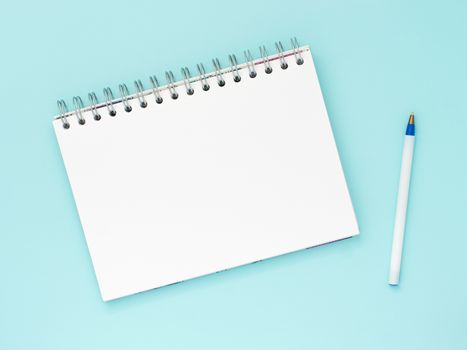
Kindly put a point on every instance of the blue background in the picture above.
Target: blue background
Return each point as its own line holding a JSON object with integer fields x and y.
{"x": 377, "y": 62}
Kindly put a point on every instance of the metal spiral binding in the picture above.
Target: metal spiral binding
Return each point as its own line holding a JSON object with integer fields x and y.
{"x": 172, "y": 83}
{"x": 218, "y": 71}
{"x": 202, "y": 74}
{"x": 234, "y": 64}
{"x": 296, "y": 51}
{"x": 93, "y": 101}
{"x": 155, "y": 89}
{"x": 78, "y": 102}
{"x": 280, "y": 51}
{"x": 250, "y": 64}
{"x": 140, "y": 94}
{"x": 124, "y": 94}
{"x": 265, "y": 55}
{"x": 63, "y": 112}
{"x": 186, "y": 80}
{"x": 109, "y": 97}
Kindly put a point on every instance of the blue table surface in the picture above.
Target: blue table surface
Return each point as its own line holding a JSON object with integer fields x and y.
{"x": 377, "y": 62}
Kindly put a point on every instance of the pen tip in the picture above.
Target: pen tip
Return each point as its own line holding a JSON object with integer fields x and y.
{"x": 410, "y": 131}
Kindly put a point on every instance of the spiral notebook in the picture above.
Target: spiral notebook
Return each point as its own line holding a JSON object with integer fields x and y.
{"x": 206, "y": 173}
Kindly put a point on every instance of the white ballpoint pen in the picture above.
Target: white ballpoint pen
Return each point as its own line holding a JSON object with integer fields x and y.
{"x": 402, "y": 199}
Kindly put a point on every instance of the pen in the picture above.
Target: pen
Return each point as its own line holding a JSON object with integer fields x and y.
{"x": 402, "y": 198}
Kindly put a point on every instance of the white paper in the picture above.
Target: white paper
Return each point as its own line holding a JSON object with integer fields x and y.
{"x": 207, "y": 182}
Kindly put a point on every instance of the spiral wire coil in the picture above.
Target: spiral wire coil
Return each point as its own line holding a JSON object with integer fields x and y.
{"x": 187, "y": 81}
{"x": 140, "y": 94}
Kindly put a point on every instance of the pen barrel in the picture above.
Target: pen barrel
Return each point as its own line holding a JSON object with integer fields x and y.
{"x": 401, "y": 210}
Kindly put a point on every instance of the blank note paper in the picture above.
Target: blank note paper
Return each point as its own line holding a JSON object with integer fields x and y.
{"x": 207, "y": 181}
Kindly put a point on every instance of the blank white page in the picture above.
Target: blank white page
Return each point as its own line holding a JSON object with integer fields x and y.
{"x": 207, "y": 182}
